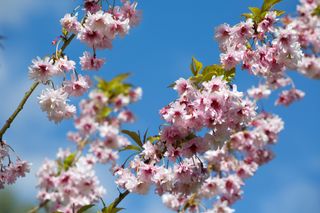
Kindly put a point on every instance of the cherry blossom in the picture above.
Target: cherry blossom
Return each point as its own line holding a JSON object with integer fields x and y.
{"x": 54, "y": 103}
{"x": 42, "y": 69}
{"x": 89, "y": 62}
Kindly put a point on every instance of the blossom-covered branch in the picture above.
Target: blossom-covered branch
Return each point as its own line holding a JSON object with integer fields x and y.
{"x": 97, "y": 29}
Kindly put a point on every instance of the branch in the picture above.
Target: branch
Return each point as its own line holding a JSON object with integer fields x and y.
{"x": 18, "y": 109}
{"x": 37, "y": 208}
{"x": 113, "y": 206}
{"x": 28, "y": 94}
{"x": 120, "y": 198}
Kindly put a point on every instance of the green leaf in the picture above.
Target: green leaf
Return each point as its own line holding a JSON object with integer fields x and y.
{"x": 102, "y": 84}
{"x": 153, "y": 138}
{"x": 67, "y": 163}
{"x": 64, "y": 32}
{"x": 214, "y": 69}
{"x": 197, "y": 79}
{"x": 316, "y": 11}
{"x": 145, "y": 136}
{"x": 195, "y": 66}
{"x": 134, "y": 136}
{"x": 255, "y": 11}
{"x": 229, "y": 75}
{"x": 280, "y": 12}
{"x": 247, "y": 15}
{"x": 110, "y": 209}
{"x": 85, "y": 208}
{"x": 268, "y": 4}
{"x": 105, "y": 112}
{"x": 115, "y": 86}
{"x": 172, "y": 85}
{"x": 131, "y": 147}
{"x": 103, "y": 203}
{"x": 121, "y": 77}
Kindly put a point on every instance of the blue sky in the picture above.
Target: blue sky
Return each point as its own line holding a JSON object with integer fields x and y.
{"x": 157, "y": 52}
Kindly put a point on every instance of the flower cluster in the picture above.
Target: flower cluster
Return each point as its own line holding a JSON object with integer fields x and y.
{"x": 9, "y": 170}
{"x": 263, "y": 48}
{"x": 100, "y": 122}
{"x": 307, "y": 26}
{"x": 70, "y": 182}
{"x": 97, "y": 30}
{"x": 213, "y": 140}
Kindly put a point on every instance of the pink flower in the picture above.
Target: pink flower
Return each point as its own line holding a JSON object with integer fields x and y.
{"x": 89, "y": 62}
{"x": 42, "y": 69}
{"x": 266, "y": 25}
{"x": 130, "y": 12}
{"x": 69, "y": 189}
{"x": 222, "y": 32}
{"x": 89, "y": 36}
{"x": 77, "y": 87}
{"x": 21, "y": 168}
{"x": 70, "y": 23}
{"x": 262, "y": 91}
{"x": 92, "y": 6}
{"x": 230, "y": 60}
{"x": 65, "y": 65}
{"x": 289, "y": 96}
{"x": 135, "y": 94}
{"x": 54, "y": 102}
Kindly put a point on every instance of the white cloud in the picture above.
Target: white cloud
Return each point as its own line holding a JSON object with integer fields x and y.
{"x": 295, "y": 197}
{"x": 14, "y": 12}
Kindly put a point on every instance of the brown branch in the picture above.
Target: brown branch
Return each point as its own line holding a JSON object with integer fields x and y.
{"x": 8, "y": 123}
{"x": 18, "y": 109}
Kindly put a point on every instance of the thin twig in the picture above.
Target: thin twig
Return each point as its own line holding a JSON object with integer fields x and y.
{"x": 18, "y": 109}
{"x": 28, "y": 94}
{"x": 37, "y": 208}
{"x": 120, "y": 198}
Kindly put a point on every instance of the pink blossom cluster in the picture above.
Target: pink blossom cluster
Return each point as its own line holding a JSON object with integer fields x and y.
{"x": 99, "y": 132}
{"x": 10, "y": 171}
{"x": 69, "y": 188}
{"x": 104, "y": 131}
{"x": 212, "y": 141}
{"x": 307, "y": 26}
{"x": 97, "y": 29}
{"x": 265, "y": 49}
{"x": 101, "y": 27}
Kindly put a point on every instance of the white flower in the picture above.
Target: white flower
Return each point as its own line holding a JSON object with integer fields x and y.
{"x": 42, "y": 69}
{"x": 54, "y": 102}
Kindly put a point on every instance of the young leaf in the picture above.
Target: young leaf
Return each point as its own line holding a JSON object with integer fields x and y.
{"x": 120, "y": 78}
{"x": 131, "y": 147}
{"x": 64, "y": 32}
{"x": 280, "y": 12}
{"x": 247, "y": 15}
{"x": 172, "y": 85}
{"x": 195, "y": 66}
{"x": 214, "y": 69}
{"x": 316, "y": 11}
{"x": 153, "y": 138}
{"x": 268, "y": 4}
{"x": 85, "y": 208}
{"x": 255, "y": 11}
{"x": 134, "y": 136}
{"x": 110, "y": 209}
{"x": 68, "y": 161}
{"x": 105, "y": 112}
{"x": 145, "y": 136}
{"x": 197, "y": 79}
{"x": 229, "y": 75}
